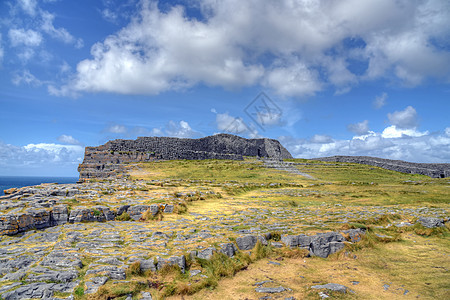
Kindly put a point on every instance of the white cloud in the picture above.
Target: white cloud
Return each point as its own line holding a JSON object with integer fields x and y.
{"x": 58, "y": 33}
{"x": 28, "y": 6}
{"x": 24, "y": 37}
{"x": 68, "y": 139}
{"x": 380, "y": 101}
{"x": 295, "y": 48}
{"x": 321, "y": 139}
{"x": 181, "y": 130}
{"x": 292, "y": 79}
{"x": 404, "y": 119}
{"x": 26, "y": 77}
{"x": 115, "y": 128}
{"x": 40, "y": 159}
{"x": 230, "y": 124}
{"x": 421, "y": 147}
{"x": 394, "y": 132}
{"x": 359, "y": 128}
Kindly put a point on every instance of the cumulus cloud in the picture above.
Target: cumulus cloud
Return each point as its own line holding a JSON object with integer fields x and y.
{"x": 410, "y": 146}
{"x": 180, "y": 129}
{"x": 321, "y": 139}
{"x": 68, "y": 139}
{"x": 394, "y": 132}
{"x": 24, "y": 37}
{"x": 295, "y": 48}
{"x": 380, "y": 101}
{"x": 404, "y": 119}
{"x": 230, "y": 124}
{"x": 115, "y": 128}
{"x": 359, "y": 128}
{"x": 28, "y": 6}
{"x": 40, "y": 159}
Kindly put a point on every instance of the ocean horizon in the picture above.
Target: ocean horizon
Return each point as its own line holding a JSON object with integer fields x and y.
{"x": 7, "y": 182}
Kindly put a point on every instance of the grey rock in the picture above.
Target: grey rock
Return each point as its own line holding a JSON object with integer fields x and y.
{"x": 354, "y": 235}
{"x": 148, "y": 264}
{"x": 248, "y": 242}
{"x": 206, "y": 253}
{"x": 333, "y": 287}
{"x": 44, "y": 274}
{"x": 324, "y": 250}
{"x": 136, "y": 211}
{"x": 39, "y": 290}
{"x": 293, "y": 241}
{"x": 431, "y": 222}
{"x": 94, "y": 284}
{"x": 59, "y": 215}
{"x": 41, "y": 218}
{"x": 154, "y": 209}
{"x": 111, "y": 272}
{"x": 146, "y": 296}
{"x": 179, "y": 261}
{"x": 83, "y": 214}
{"x": 107, "y": 213}
{"x": 122, "y": 209}
{"x": 61, "y": 259}
{"x": 168, "y": 208}
{"x": 8, "y": 225}
{"x": 271, "y": 290}
{"x": 229, "y": 249}
{"x": 8, "y": 287}
{"x": 192, "y": 273}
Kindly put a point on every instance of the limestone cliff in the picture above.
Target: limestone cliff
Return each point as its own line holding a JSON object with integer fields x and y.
{"x": 106, "y": 160}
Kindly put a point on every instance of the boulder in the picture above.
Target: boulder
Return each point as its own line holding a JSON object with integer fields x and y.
{"x": 354, "y": 235}
{"x": 107, "y": 213}
{"x": 179, "y": 261}
{"x": 122, "y": 209}
{"x": 41, "y": 218}
{"x": 25, "y": 221}
{"x": 248, "y": 242}
{"x": 59, "y": 215}
{"x": 154, "y": 209}
{"x": 148, "y": 264}
{"x": 8, "y": 225}
{"x": 168, "y": 208}
{"x": 206, "y": 253}
{"x": 293, "y": 241}
{"x": 431, "y": 222}
{"x": 229, "y": 249}
{"x": 136, "y": 211}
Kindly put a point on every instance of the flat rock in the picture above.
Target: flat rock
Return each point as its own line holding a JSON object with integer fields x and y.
{"x": 431, "y": 222}
{"x": 271, "y": 290}
{"x": 333, "y": 287}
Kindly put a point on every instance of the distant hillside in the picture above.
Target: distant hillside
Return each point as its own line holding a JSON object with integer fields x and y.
{"x": 432, "y": 170}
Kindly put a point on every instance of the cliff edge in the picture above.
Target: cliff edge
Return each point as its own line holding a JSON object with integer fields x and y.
{"x": 107, "y": 160}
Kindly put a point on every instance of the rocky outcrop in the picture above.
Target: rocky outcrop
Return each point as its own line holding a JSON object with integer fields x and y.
{"x": 107, "y": 160}
{"x": 431, "y": 170}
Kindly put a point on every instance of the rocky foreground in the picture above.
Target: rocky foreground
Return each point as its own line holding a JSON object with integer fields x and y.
{"x": 60, "y": 241}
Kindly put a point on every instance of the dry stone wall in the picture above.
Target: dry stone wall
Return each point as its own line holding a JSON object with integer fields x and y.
{"x": 432, "y": 170}
{"x": 107, "y": 160}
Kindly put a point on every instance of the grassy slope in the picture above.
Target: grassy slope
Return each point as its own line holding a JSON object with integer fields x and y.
{"x": 417, "y": 263}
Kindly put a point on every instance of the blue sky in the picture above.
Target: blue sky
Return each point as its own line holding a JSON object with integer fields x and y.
{"x": 326, "y": 78}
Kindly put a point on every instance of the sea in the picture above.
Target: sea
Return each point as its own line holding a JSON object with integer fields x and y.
{"x": 7, "y": 182}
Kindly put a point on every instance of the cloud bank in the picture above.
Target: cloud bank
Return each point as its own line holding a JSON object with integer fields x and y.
{"x": 294, "y": 48}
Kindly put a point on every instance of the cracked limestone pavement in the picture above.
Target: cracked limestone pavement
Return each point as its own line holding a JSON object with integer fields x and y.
{"x": 122, "y": 241}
